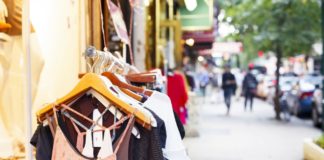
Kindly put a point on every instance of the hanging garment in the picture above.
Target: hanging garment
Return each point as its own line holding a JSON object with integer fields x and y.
{"x": 178, "y": 95}
{"x": 106, "y": 150}
{"x": 148, "y": 147}
{"x": 62, "y": 148}
{"x": 161, "y": 131}
{"x": 43, "y": 141}
{"x": 161, "y": 105}
{"x": 83, "y": 105}
{"x": 79, "y": 141}
{"x": 87, "y": 151}
{"x": 177, "y": 119}
{"x": 179, "y": 125}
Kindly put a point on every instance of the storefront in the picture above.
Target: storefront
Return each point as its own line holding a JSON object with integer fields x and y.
{"x": 43, "y": 55}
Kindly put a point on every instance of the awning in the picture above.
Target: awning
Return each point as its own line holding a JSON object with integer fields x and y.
{"x": 200, "y": 36}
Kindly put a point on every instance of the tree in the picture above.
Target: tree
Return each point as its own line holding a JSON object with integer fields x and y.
{"x": 286, "y": 27}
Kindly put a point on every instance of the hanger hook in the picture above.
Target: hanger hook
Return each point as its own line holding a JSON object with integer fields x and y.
{"x": 91, "y": 53}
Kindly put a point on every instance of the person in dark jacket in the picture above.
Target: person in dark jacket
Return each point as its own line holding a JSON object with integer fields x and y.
{"x": 229, "y": 86}
{"x": 250, "y": 84}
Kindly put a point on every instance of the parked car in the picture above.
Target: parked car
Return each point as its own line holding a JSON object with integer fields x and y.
{"x": 289, "y": 78}
{"x": 313, "y": 78}
{"x": 317, "y": 109}
{"x": 298, "y": 94}
{"x": 316, "y": 80}
{"x": 264, "y": 87}
{"x": 305, "y": 99}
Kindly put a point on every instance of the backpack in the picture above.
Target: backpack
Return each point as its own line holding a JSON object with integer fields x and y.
{"x": 251, "y": 82}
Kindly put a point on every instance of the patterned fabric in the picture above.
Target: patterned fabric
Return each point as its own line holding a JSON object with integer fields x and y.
{"x": 63, "y": 150}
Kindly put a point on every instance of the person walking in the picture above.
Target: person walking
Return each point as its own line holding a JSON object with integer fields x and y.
{"x": 203, "y": 81}
{"x": 250, "y": 84}
{"x": 228, "y": 86}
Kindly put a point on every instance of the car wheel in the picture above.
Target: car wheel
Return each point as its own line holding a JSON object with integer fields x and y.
{"x": 315, "y": 117}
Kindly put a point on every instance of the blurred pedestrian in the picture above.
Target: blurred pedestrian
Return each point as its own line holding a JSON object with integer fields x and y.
{"x": 203, "y": 79}
{"x": 250, "y": 85}
{"x": 229, "y": 86}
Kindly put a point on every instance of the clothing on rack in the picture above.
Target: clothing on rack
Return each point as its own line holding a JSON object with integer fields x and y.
{"x": 92, "y": 122}
{"x": 43, "y": 141}
{"x": 178, "y": 94}
{"x": 179, "y": 125}
{"x": 149, "y": 146}
{"x": 176, "y": 117}
{"x": 62, "y": 148}
{"x": 174, "y": 148}
{"x": 84, "y": 105}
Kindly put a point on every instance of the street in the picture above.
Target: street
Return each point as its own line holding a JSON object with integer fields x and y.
{"x": 248, "y": 135}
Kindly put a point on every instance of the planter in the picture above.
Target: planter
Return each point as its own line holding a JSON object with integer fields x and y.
{"x": 312, "y": 151}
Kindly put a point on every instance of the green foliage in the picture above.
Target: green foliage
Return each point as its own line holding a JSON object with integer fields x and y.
{"x": 291, "y": 25}
{"x": 320, "y": 141}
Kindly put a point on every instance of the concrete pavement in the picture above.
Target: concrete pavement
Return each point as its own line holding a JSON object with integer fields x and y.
{"x": 248, "y": 135}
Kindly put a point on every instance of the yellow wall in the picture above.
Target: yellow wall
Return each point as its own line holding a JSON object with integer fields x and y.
{"x": 57, "y": 23}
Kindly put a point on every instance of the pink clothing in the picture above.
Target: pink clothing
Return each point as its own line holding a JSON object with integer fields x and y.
{"x": 63, "y": 150}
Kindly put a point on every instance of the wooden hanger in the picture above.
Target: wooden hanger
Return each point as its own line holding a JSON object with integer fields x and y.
{"x": 145, "y": 77}
{"x": 132, "y": 94}
{"x": 114, "y": 80}
{"x": 93, "y": 81}
{"x": 141, "y": 78}
{"x": 113, "y": 110}
{"x": 4, "y": 26}
{"x": 126, "y": 88}
{"x": 80, "y": 115}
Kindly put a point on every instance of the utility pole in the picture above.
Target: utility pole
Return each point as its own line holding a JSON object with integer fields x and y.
{"x": 322, "y": 61}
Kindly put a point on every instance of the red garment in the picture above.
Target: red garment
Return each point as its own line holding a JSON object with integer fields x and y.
{"x": 178, "y": 95}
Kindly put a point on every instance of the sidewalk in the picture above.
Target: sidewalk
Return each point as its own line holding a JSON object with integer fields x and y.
{"x": 248, "y": 135}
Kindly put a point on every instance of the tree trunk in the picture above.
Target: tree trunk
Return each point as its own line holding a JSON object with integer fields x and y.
{"x": 277, "y": 87}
